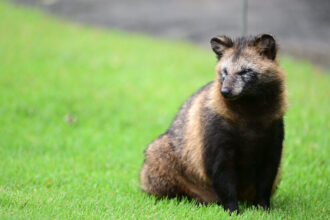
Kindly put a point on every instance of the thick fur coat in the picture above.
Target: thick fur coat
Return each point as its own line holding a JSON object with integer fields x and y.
{"x": 225, "y": 143}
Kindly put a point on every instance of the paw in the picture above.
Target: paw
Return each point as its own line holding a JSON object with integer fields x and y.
{"x": 232, "y": 208}
{"x": 263, "y": 204}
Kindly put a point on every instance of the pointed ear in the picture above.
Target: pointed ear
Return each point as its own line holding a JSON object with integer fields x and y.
{"x": 266, "y": 46}
{"x": 219, "y": 44}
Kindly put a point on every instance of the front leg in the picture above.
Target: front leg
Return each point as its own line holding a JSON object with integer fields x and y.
{"x": 219, "y": 158}
{"x": 223, "y": 181}
{"x": 266, "y": 177}
{"x": 269, "y": 166}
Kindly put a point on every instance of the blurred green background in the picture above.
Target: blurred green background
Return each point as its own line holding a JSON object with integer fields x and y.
{"x": 79, "y": 104}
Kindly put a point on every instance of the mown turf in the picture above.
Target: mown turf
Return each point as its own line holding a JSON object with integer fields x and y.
{"x": 79, "y": 105}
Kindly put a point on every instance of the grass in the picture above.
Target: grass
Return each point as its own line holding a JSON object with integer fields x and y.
{"x": 79, "y": 105}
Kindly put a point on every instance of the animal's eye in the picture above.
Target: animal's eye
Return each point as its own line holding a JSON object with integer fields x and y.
{"x": 245, "y": 71}
{"x": 224, "y": 72}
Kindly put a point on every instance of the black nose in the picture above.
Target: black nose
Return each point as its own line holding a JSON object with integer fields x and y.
{"x": 226, "y": 92}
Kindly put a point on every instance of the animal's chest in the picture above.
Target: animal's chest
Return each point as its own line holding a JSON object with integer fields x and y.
{"x": 250, "y": 148}
{"x": 249, "y": 145}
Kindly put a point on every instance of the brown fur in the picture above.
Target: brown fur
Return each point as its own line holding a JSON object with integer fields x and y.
{"x": 165, "y": 169}
{"x": 192, "y": 152}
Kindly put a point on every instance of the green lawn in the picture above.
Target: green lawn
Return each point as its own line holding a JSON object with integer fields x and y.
{"x": 79, "y": 105}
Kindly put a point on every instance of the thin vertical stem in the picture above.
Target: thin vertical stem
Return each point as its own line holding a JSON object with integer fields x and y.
{"x": 244, "y": 17}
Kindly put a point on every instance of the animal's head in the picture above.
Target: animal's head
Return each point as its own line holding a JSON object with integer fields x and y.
{"x": 247, "y": 66}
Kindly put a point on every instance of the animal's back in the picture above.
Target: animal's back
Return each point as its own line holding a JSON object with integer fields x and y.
{"x": 177, "y": 155}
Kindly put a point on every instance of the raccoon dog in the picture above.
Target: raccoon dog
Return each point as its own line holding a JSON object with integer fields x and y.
{"x": 225, "y": 143}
